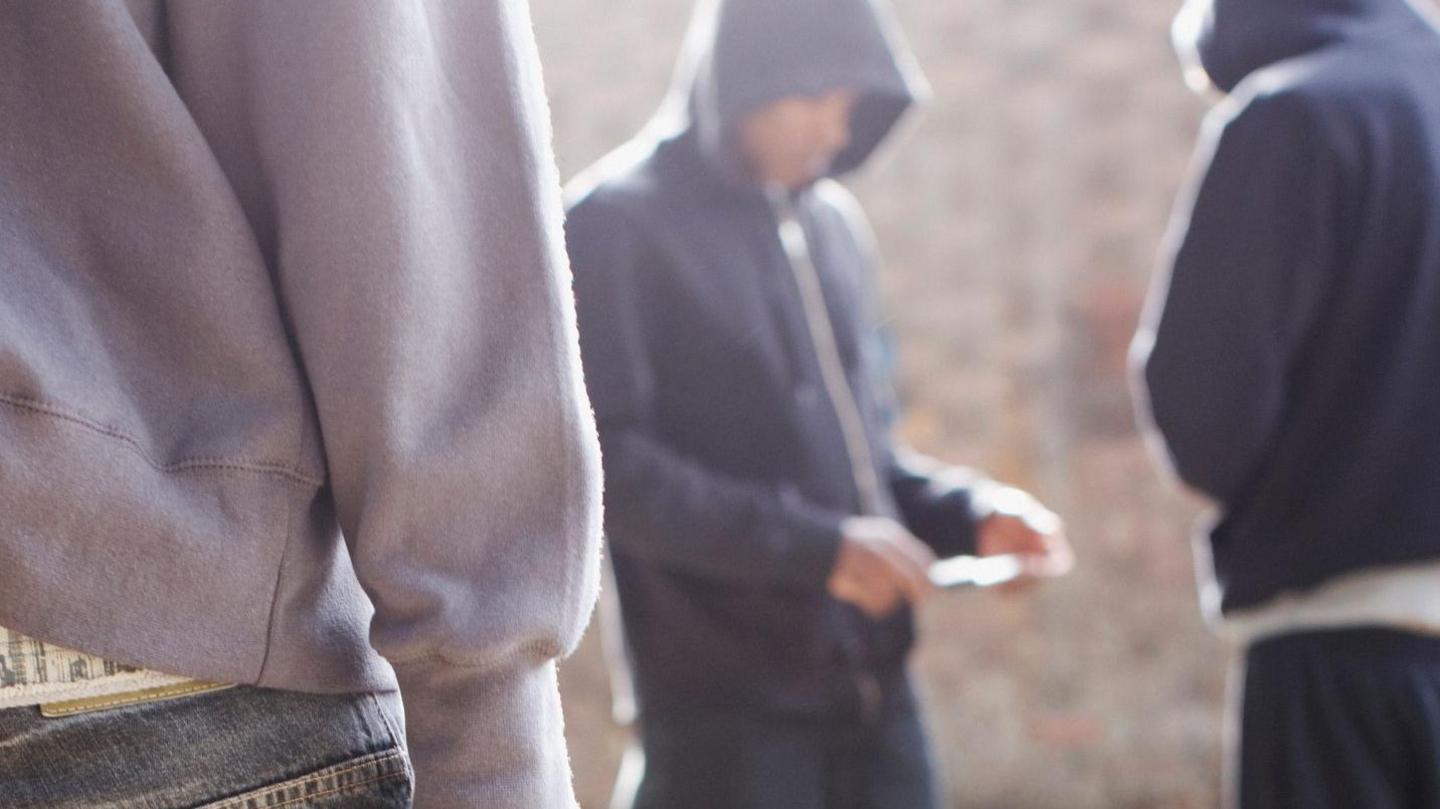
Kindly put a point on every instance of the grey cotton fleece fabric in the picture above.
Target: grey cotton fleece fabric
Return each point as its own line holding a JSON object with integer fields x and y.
{"x": 289, "y": 379}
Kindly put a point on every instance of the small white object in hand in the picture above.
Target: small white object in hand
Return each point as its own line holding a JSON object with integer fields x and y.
{"x": 976, "y": 571}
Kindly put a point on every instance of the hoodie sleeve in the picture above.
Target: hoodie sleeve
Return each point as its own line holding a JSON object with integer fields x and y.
{"x": 394, "y": 160}
{"x": 662, "y": 505}
{"x": 937, "y": 501}
{"x": 1253, "y": 248}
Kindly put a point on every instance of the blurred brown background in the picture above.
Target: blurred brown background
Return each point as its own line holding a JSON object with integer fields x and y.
{"x": 1020, "y": 217}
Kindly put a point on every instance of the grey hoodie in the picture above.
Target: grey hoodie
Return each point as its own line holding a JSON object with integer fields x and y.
{"x": 286, "y": 339}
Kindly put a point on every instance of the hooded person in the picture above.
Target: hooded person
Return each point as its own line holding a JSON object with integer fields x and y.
{"x": 300, "y": 490}
{"x": 768, "y": 537}
{"x": 1287, "y": 364}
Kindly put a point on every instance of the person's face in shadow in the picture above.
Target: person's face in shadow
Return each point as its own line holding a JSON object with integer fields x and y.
{"x": 792, "y": 141}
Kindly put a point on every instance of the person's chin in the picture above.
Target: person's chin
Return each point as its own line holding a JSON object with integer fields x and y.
{"x": 818, "y": 168}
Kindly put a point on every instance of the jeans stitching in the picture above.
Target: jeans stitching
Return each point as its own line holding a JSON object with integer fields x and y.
{"x": 379, "y": 761}
{"x": 389, "y": 776}
{"x": 131, "y": 698}
{"x": 397, "y": 736}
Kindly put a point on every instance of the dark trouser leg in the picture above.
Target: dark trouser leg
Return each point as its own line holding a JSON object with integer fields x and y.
{"x": 1341, "y": 720}
{"x": 889, "y": 766}
{"x": 730, "y": 761}
{"x": 750, "y": 760}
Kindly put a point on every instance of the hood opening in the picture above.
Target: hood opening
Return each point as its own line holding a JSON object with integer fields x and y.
{"x": 742, "y": 54}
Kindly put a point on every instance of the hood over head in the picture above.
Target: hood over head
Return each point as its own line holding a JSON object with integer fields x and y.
{"x": 1227, "y": 40}
{"x": 742, "y": 54}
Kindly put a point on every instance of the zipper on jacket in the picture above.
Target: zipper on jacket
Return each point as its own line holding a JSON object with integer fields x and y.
{"x": 847, "y": 409}
{"x": 822, "y": 338}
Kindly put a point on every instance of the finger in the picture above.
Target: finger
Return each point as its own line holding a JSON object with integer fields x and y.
{"x": 1052, "y": 560}
{"x": 881, "y": 607}
{"x": 880, "y": 598}
{"x": 1044, "y": 521}
{"x": 1060, "y": 557}
{"x": 1023, "y": 539}
{"x": 842, "y": 587}
{"x": 909, "y": 577}
{"x": 1002, "y": 534}
{"x": 867, "y": 598}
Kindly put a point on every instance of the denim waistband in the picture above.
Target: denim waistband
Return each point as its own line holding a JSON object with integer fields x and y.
{"x": 239, "y": 748}
{"x": 64, "y": 681}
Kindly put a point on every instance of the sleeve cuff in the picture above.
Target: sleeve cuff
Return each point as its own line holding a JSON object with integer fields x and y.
{"x": 813, "y": 541}
{"x": 491, "y": 737}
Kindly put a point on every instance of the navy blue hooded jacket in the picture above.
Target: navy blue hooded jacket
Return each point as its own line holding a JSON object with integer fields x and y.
{"x": 1292, "y": 355}
{"x": 726, "y": 466}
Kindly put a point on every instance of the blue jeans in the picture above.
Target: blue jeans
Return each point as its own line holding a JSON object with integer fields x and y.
{"x": 241, "y": 748}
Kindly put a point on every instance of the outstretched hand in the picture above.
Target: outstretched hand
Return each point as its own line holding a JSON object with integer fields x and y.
{"x": 1018, "y": 524}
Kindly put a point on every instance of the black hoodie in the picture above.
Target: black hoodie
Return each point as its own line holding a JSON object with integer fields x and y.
{"x": 1292, "y": 355}
{"x": 727, "y": 469}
